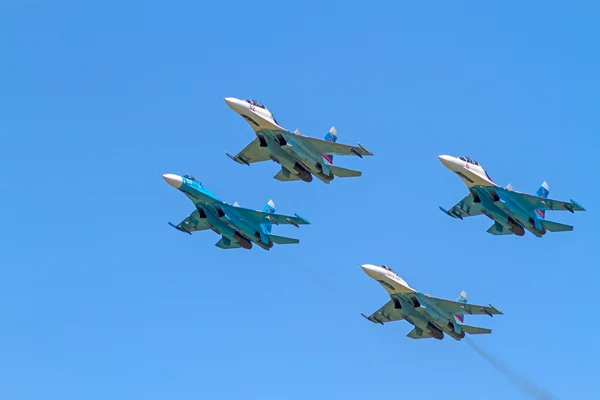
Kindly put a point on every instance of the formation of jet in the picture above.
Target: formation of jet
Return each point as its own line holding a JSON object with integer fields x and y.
{"x": 432, "y": 317}
{"x": 300, "y": 156}
{"x": 512, "y": 212}
{"x": 238, "y": 226}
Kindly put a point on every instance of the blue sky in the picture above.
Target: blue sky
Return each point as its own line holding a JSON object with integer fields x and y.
{"x": 101, "y": 299}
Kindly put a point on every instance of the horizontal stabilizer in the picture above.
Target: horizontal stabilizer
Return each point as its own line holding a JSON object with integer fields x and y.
{"x": 556, "y": 227}
{"x": 344, "y": 172}
{"x": 226, "y": 243}
{"x": 419, "y": 333}
{"x": 286, "y": 176}
{"x": 475, "y": 330}
{"x": 283, "y": 239}
{"x": 499, "y": 229}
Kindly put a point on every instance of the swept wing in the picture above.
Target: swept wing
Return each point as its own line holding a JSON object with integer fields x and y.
{"x": 464, "y": 208}
{"x": 387, "y": 313}
{"x": 455, "y": 307}
{"x": 327, "y": 147}
{"x": 192, "y": 223}
{"x": 539, "y": 203}
{"x": 260, "y": 217}
{"x": 251, "y": 154}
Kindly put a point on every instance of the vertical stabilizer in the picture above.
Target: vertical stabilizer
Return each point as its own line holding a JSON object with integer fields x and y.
{"x": 331, "y": 136}
{"x": 462, "y": 298}
{"x": 269, "y": 208}
{"x": 543, "y": 191}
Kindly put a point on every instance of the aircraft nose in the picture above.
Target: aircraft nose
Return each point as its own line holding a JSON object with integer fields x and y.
{"x": 235, "y": 104}
{"x": 173, "y": 180}
{"x": 370, "y": 269}
{"x": 448, "y": 161}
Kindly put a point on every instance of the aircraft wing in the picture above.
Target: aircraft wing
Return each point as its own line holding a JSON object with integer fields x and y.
{"x": 327, "y": 147}
{"x": 464, "y": 208}
{"x": 260, "y": 217}
{"x": 455, "y": 307}
{"x": 541, "y": 203}
{"x": 251, "y": 154}
{"x": 387, "y": 313}
{"x": 192, "y": 223}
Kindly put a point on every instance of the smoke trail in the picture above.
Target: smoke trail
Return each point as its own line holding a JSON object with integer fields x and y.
{"x": 523, "y": 384}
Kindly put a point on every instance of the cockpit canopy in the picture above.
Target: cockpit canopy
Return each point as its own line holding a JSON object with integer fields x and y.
{"x": 191, "y": 178}
{"x": 256, "y": 103}
{"x": 469, "y": 160}
{"x": 387, "y": 268}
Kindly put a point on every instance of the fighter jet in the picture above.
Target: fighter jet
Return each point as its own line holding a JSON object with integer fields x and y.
{"x": 511, "y": 211}
{"x": 431, "y": 317}
{"x": 300, "y": 156}
{"x": 239, "y": 227}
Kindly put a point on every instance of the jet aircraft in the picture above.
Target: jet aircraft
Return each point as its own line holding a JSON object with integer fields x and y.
{"x": 300, "y": 156}
{"x": 431, "y": 317}
{"x": 239, "y": 227}
{"x": 512, "y": 212}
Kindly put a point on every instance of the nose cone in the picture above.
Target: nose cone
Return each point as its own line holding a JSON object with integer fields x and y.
{"x": 236, "y": 105}
{"x": 173, "y": 180}
{"x": 448, "y": 161}
{"x": 371, "y": 270}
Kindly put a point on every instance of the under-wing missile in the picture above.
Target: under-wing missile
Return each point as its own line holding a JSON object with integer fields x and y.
{"x": 452, "y": 214}
{"x": 273, "y": 220}
{"x": 375, "y": 320}
{"x": 292, "y": 222}
{"x": 486, "y": 311}
{"x": 239, "y": 160}
{"x": 356, "y": 152}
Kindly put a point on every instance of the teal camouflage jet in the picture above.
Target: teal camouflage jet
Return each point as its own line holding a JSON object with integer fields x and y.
{"x": 432, "y": 317}
{"x": 512, "y": 212}
{"x": 238, "y": 226}
{"x": 300, "y": 156}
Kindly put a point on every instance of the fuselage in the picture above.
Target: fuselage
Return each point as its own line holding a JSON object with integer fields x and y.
{"x": 209, "y": 207}
{"x": 293, "y": 155}
{"x": 510, "y": 214}
{"x": 414, "y": 305}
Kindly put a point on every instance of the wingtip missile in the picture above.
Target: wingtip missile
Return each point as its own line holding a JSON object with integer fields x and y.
{"x": 304, "y": 220}
{"x": 578, "y": 205}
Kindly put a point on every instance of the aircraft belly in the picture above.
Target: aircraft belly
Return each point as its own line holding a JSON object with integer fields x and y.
{"x": 219, "y": 225}
{"x": 282, "y": 157}
{"x": 301, "y": 155}
{"x": 241, "y": 226}
{"x": 521, "y": 216}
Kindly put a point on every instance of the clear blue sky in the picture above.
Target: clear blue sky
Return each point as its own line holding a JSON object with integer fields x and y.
{"x": 101, "y": 299}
